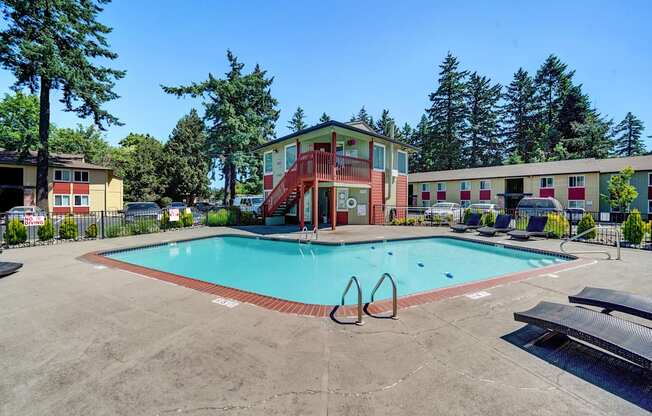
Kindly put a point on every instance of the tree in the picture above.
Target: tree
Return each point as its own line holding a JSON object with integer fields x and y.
{"x": 519, "y": 117}
{"x": 324, "y": 118}
{"x": 138, "y": 163}
{"x": 19, "y": 122}
{"x": 621, "y": 192}
{"x": 481, "y": 132}
{"x": 240, "y": 115}
{"x": 363, "y": 116}
{"x": 446, "y": 116}
{"x": 186, "y": 162}
{"x": 421, "y": 161}
{"x": 298, "y": 120}
{"x": 628, "y": 136}
{"x": 86, "y": 141}
{"x": 51, "y": 45}
{"x": 592, "y": 138}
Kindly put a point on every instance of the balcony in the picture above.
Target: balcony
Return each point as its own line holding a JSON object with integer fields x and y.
{"x": 325, "y": 166}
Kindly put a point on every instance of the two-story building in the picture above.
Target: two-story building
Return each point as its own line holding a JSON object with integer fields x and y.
{"x": 335, "y": 173}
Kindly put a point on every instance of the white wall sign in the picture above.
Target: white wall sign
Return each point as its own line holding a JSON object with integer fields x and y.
{"x": 34, "y": 220}
{"x": 174, "y": 214}
{"x": 362, "y": 210}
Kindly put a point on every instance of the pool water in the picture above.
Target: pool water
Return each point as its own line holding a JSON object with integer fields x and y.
{"x": 317, "y": 274}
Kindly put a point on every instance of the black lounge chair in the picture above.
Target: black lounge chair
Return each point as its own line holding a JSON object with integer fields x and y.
{"x": 623, "y": 338}
{"x": 614, "y": 300}
{"x": 7, "y": 268}
{"x": 472, "y": 222}
{"x": 535, "y": 228}
{"x": 500, "y": 226}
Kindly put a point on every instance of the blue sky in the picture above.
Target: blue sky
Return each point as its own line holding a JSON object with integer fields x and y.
{"x": 336, "y": 56}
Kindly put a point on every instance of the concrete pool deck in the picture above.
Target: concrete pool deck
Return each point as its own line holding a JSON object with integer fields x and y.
{"x": 77, "y": 339}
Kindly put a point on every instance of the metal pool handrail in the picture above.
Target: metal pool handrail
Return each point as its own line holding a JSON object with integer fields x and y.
{"x": 348, "y": 286}
{"x": 394, "y": 297}
{"x": 561, "y": 246}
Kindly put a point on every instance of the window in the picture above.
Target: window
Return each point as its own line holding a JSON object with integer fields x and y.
{"x": 485, "y": 185}
{"x": 379, "y": 157}
{"x": 465, "y": 204}
{"x": 62, "y": 175}
{"x": 576, "y": 181}
{"x": 465, "y": 186}
{"x": 339, "y": 149}
{"x": 267, "y": 161}
{"x": 576, "y": 204}
{"x": 548, "y": 182}
{"x": 290, "y": 155}
{"x": 425, "y": 203}
{"x": 401, "y": 159}
{"x": 649, "y": 207}
{"x": 649, "y": 179}
{"x": 62, "y": 200}
{"x": 441, "y": 187}
{"x": 425, "y": 187}
{"x": 81, "y": 176}
{"x": 81, "y": 200}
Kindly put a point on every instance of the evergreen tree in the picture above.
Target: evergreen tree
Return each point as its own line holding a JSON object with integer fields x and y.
{"x": 421, "y": 161}
{"x": 481, "y": 133}
{"x": 324, "y": 118}
{"x": 50, "y": 45}
{"x": 186, "y": 162}
{"x": 298, "y": 121}
{"x": 405, "y": 133}
{"x": 138, "y": 163}
{"x": 628, "y": 136}
{"x": 19, "y": 122}
{"x": 446, "y": 117}
{"x": 386, "y": 125}
{"x": 592, "y": 138}
{"x": 519, "y": 117}
{"x": 363, "y": 116}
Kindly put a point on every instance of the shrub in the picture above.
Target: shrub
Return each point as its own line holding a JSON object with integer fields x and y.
{"x": 186, "y": 219}
{"x": 165, "y": 201}
{"x": 167, "y": 224}
{"x": 488, "y": 219}
{"x": 586, "y": 223}
{"x": 91, "y": 231}
{"x": 633, "y": 228}
{"x": 222, "y": 217}
{"x": 68, "y": 228}
{"x": 45, "y": 232}
{"x": 248, "y": 218}
{"x": 410, "y": 221}
{"x": 143, "y": 226}
{"x": 117, "y": 230}
{"x": 16, "y": 233}
{"x": 557, "y": 225}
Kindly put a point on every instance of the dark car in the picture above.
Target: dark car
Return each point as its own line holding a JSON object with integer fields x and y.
{"x": 529, "y": 206}
{"x": 574, "y": 215}
{"x": 203, "y": 206}
{"x": 141, "y": 210}
{"x": 177, "y": 205}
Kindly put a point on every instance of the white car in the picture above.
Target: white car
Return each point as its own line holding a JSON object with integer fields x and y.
{"x": 483, "y": 208}
{"x": 445, "y": 211}
{"x": 20, "y": 212}
{"x": 250, "y": 203}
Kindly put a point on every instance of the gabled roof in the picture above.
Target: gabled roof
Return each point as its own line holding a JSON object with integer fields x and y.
{"x": 58, "y": 160}
{"x": 638, "y": 163}
{"x": 355, "y": 126}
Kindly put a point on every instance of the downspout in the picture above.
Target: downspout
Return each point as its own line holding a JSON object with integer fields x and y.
{"x": 391, "y": 164}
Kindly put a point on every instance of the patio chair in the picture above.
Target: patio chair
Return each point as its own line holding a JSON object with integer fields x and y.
{"x": 7, "y": 268}
{"x": 623, "y": 338}
{"x": 535, "y": 228}
{"x": 614, "y": 300}
{"x": 500, "y": 226}
{"x": 472, "y": 222}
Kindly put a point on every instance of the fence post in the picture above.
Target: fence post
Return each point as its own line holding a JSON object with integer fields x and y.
{"x": 103, "y": 235}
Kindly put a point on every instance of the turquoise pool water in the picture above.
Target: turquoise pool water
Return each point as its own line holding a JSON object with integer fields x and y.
{"x": 317, "y": 274}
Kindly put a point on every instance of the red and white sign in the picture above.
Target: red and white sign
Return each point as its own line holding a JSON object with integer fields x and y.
{"x": 174, "y": 214}
{"x": 34, "y": 220}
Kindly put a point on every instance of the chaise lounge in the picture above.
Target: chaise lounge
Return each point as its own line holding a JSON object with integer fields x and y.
{"x": 614, "y": 300}
{"x": 472, "y": 223}
{"x": 7, "y": 268}
{"x": 500, "y": 226}
{"x": 535, "y": 228}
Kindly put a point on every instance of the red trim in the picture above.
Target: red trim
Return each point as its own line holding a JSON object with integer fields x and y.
{"x": 60, "y": 210}
{"x": 268, "y": 182}
{"x": 576, "y": 194}
{"x": 80, "y": 188}
{"x": 61, "y": 188}
{"x": 425, "y": 196}
{"x": 465, "y": 195}
{"x": 299, "y": 308}
{"x": 81, "y": 210}
{"x": 342, "y": 218}
{"x": 485, "y": 194}
{"x": 441, "y": 195}
{"x": 546, "y": 192}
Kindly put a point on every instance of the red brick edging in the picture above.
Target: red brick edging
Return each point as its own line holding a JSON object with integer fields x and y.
{"x": 305, "y": 309}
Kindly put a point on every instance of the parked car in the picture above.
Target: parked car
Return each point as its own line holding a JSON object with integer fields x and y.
{"x": 251, "y": 203}
{"x": 445, "y": 211}
{"x": 19, "y": 213}
{"x": 483, "y": 208}
{"x": 141, "y": 210}
{"x": 203, "y": 206}
{"x": 529, "y": 206}
{"x": 177, "y": 205}
{"x": 574, "y": 215}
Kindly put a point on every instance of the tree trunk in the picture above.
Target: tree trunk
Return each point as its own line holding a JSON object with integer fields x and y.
{"x": 226, "y": 174}
{"x": 42, "y": 159}
{"x": 232, "y": 178}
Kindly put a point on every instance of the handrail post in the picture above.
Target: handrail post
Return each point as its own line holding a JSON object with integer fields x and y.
{"x": 348, "y": 286}
{"x": 394, "y": 293}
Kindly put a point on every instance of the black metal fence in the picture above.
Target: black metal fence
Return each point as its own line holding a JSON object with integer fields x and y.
{"x": 610, "y": 227}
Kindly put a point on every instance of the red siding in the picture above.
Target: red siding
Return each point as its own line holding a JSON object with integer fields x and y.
{"x": 61, "y": 188}
{"x": 377, "y": 196}
{"x": 401, "y": 195}
{"x": 441, "y": 195}
{"x": 342, "y": 218}
{"x": 485, "y": 194}
{"x": 547, "y": 192}
{"x": 425, "y": 196}
{"x": 81, "y": 210}
{"x": 575, "y": 194}
{"x": 80, "y": 188}
{"x": 60, "y": 210}
{"x": 268, "y": 182}
{"x": 465, "y": 195}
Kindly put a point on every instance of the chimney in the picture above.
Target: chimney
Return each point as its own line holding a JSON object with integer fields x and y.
{"x": 391, "y": 130}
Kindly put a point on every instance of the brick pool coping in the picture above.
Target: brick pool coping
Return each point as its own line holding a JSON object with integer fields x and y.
{"x": 298, "y": 308}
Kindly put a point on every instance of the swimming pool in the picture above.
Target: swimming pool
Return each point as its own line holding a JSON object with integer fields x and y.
{"x": 318, "y": 273}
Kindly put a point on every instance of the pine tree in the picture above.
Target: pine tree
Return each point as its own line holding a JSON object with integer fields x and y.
{"x": 138, "y": 163}
{"x": 481, "y": 133}
{"x": 50, "y": 45}
{"x": 298, "y": 120}
{"x": 422, "y": 160}
{"x": 519, "y": 117}
{"x": 363, "y": 116}
{"x": 446, "y": 117}
{"x": 186, "y": 162}
{"x": 324, "y": 118}
{"x": 628, "y": 136}
{"x": 592, "y": 138}
{"x": 386, "y": 125}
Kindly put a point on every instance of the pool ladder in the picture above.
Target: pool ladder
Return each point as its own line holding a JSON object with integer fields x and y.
{"x": 593, "y": 229}
{"x": 354, "y": 279}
